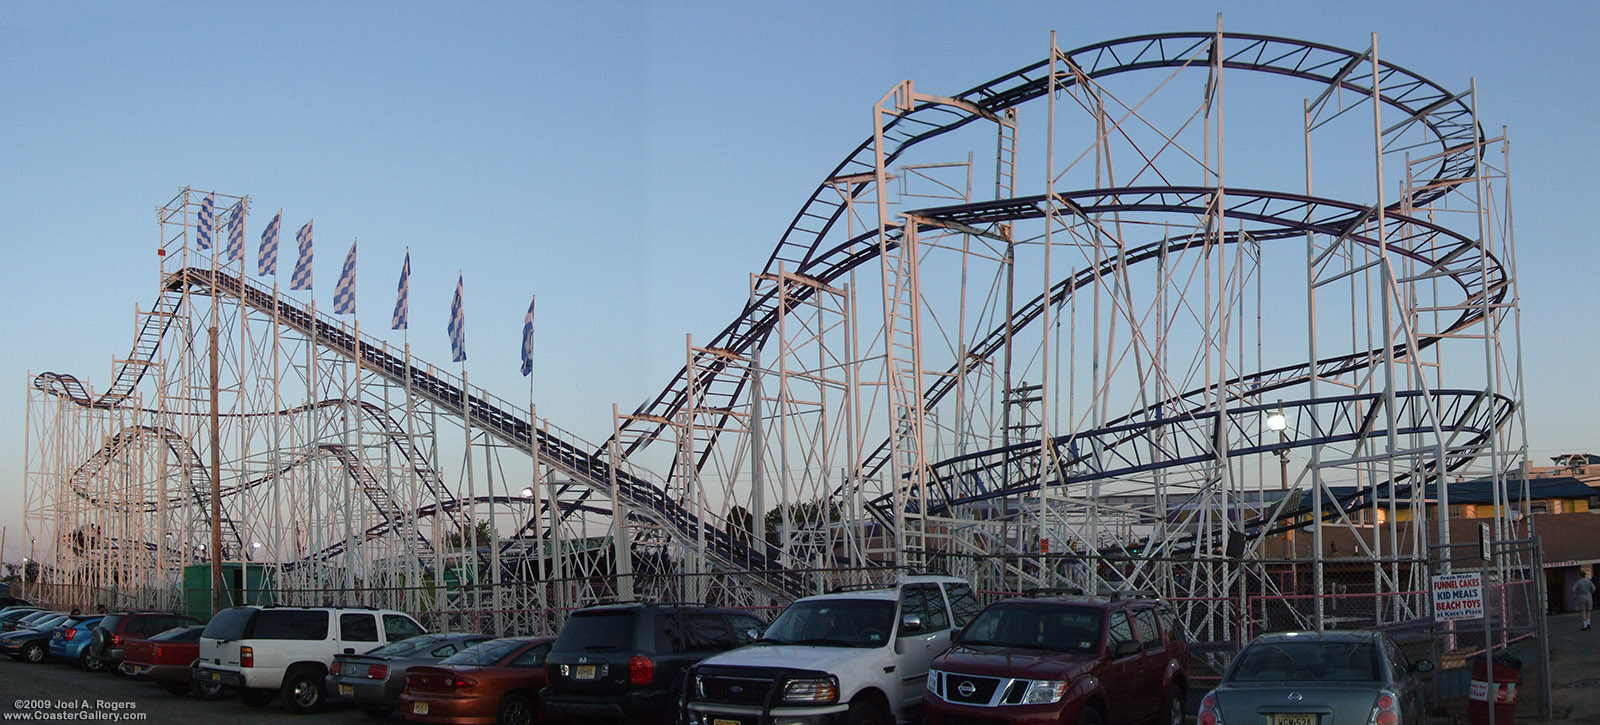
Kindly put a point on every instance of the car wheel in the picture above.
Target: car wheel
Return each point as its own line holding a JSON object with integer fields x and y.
{"x": 1091, "y": 716}
{"x": 90, "y": 661}
{"x": 1175, "y": 704}
{"x": 302, "y": 691}
{"x": 256, "y": 698}
{"x": 175, "y": 687}
{"x": 866, "y": 713}
{"x": 515, "y": 710}
{"x": 377, "y": 713}
{"x": 212, "y": 690}
{"x": 33, "y": 652}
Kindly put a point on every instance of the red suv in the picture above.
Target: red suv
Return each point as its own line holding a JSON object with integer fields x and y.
{"x": 1063, "y": 659}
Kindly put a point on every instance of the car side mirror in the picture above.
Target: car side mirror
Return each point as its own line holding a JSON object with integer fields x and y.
{"x": 1422, "y": 666}
{"x": 752, "y": 634}
{"x": 911, "y": 623}
{"x": 1125, "y": 648}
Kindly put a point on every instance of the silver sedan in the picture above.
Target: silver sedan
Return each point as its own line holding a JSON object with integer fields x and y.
{"x": 375, "y": 680}
{"x": 1306, "y": 678}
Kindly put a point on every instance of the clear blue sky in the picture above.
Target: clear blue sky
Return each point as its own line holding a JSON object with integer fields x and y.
{"x": 629, "y": 162}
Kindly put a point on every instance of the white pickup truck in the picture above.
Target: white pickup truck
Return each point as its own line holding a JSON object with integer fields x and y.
{"x": 850, "y": 657}
{"x": 263, "y": 652}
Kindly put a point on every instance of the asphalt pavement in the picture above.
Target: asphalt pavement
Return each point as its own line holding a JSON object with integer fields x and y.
{"x": 1574, "y": 670}
{"x": 53, "y": 692}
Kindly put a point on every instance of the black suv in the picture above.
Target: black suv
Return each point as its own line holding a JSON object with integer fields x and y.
{"x": 626, "y": 662}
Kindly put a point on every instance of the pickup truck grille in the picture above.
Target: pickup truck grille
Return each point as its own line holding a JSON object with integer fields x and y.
{"x": 969, "y": 689}
{"x": 736, "y": 690}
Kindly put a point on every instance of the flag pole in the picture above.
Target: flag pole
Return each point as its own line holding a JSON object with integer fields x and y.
{"x": 549, "y": 623}
{"x": 313, "y": 531}
{"x": 216, "y": 426}
{"x": 469, "y": 538}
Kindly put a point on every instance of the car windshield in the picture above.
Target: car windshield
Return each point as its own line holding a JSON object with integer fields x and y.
{"x": 48, "y": 621}
{"x": 834, "y": 622}
{"x": 405, "y": 647}
{"x": 484, "y": 653}
{"x": 1053, "y": 627}
{"x": 1306, "y": 660}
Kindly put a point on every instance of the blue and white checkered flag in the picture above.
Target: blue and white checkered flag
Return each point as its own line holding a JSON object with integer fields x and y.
{"x": 204, "y": 225}
{"x": 457, "y": 327}
{"x": 236, "y": 233}
{"x": 527, "y": 339}
{"x": 268, "y": 263}
{"x": 301, "y": 278}
{"x": 344, "y": 294}
{"x": 402, "y": 296}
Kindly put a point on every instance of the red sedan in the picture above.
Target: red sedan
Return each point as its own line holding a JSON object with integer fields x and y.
{"x": 491, "y": 683}
{"x": 166, "y": 659}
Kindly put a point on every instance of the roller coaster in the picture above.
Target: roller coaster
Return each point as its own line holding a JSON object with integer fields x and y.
{"x": 1189, "y": 344}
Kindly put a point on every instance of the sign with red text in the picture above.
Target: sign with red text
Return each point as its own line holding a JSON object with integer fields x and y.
{"x": 1457, "y": 596}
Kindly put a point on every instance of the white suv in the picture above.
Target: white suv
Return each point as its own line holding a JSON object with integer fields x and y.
{"x": 266, "y": 651}
{"x": 849, "y": 656}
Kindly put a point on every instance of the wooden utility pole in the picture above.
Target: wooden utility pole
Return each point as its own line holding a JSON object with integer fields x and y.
{"x": 216, "y": 482}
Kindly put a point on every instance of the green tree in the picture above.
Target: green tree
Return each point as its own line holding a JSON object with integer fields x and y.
{"x": 484, "y": 537}
{"x": 740, "y": 524}
{"x": 803, "y": 515}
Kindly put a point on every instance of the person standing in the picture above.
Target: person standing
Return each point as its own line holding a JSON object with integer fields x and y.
{"x": 1583, "y": 591}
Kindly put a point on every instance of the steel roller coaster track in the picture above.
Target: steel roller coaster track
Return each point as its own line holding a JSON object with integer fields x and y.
{"x": 561, "y": 450}
{"x": 805, "y": 249}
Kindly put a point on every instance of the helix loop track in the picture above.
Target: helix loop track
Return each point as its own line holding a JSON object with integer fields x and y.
{"x": 803, "y": 249}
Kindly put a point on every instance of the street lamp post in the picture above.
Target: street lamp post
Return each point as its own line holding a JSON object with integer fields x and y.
{"x": 1279, "y": 422}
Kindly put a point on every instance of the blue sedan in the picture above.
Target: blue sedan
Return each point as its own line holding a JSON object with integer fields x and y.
{"x": 70, "y": 641}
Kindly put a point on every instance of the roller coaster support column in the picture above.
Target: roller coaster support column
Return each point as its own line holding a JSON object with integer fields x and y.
{"x": 694, "y": 498}
{"x": 621, "y": 549}
{"x": 547, "y": 623}
{"x": 1053, "y": 205}
{"x": 1315, "y": 466}
{"x": 758, "y": 457}
{"x": 558, "y": 569}
{"x": 216, "y": 479}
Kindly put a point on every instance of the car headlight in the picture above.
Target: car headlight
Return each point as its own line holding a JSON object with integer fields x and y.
{"x": 824, "y": 689}
{"x": 1042, "y": 692}
{"x": 933, "y": 681}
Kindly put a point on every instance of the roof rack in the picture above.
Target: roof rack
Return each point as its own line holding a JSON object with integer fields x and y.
{"x": 1053, "y": 592}
{"x": 859, "y": 588}
{"x": 644, "y": 602}
{"x": 1134, "y": 594}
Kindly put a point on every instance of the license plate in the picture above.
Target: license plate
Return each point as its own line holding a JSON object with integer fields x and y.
{"x": 586, "y": 672}
{"x": 724, "y": 721}
{"x": 347, "y": 690}
{"x": 214, "y": 677}
{"x": 419, "y": 708}
{"x": 1294, "y": 719}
